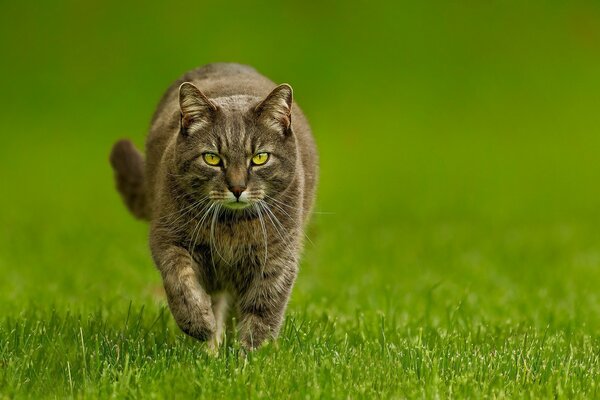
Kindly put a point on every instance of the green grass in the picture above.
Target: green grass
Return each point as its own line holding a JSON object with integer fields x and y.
{"x": 456, "y": 252}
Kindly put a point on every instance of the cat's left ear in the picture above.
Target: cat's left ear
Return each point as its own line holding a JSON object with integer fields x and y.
{"x": 276, "y": 110}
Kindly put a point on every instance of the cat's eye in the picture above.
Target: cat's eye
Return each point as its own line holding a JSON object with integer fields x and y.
{"x": 211, "y": 159}
{"x": 260, "y": 159}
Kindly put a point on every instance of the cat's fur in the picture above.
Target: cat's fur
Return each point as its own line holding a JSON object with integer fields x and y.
{"x": 211, "y": 256}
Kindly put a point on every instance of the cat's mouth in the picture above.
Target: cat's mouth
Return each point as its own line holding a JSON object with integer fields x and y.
{"x": 237, "y": 205}
{"x": 229, "y": 200}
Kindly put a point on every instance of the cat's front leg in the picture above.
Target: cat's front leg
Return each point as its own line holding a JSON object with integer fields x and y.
{"x": 263, "y": 302}
{"x": 189, "y": 303}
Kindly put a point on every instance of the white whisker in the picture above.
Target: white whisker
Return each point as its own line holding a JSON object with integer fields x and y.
{"x": 299, "y": 226}
{"x": 264, "y": 230}
{"x": 274, "y": 200}
{"x": 213, "y": 242}
{"x": 196, "y": 230}
{"x": 275, "y": 222}
{"x": 186, "y": 208}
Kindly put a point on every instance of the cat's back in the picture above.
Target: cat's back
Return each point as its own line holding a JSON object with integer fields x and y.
{"x": 228, "y": 79}
{"x": 215, "y": 80}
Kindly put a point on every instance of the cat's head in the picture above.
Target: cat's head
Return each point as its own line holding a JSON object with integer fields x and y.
{"x": 235, "y": 151}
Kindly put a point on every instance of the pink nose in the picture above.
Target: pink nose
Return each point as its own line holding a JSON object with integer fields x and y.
{"x": 237, "y": 191}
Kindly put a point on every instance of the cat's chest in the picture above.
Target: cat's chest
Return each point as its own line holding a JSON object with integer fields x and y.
{"x": 225, "y": 241}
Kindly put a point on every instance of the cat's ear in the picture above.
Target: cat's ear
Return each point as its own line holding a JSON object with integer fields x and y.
{"x": 197, "y": 110}
{"x": 276, "y": 110}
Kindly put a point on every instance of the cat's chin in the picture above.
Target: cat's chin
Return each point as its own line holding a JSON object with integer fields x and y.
{"x": 237, "y": 205}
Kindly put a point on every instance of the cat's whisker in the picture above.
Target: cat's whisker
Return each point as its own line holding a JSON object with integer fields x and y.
{"x": 279, "y": 233}
{"x": 187, "y": 210}
{"x": 294, "y": 222}
{"x": 264, "y": 230}
{"x": 196, "y": 206}
{"x": 194, "y": 203}
{"x": 274, "y": 200}
{"x": 175, "y": 226}
{"x": 228, "y": 262}
{"x": 283, "y": 211}
{"x": 212, "y": 238}
{"x": 196, "y": 231}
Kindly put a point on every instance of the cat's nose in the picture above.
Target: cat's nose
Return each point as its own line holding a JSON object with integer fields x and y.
{"x": 237, "y": 190}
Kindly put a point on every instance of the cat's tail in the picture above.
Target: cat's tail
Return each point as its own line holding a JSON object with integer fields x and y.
{"x": 130, "y": 176}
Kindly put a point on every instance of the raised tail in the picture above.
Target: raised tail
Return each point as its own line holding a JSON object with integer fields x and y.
{"x": 130, "y": 176}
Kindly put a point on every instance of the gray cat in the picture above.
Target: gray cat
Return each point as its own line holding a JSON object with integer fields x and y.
{"x": 228, "y": 184}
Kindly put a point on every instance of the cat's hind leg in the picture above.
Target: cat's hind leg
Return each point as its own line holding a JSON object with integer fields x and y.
{"x": 220, "y": 307}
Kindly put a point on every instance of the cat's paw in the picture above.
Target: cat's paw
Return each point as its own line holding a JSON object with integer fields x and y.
{"x": 212, "y": 346}
{"x": 195, "y": 323}
{"x": 254, "y": 332}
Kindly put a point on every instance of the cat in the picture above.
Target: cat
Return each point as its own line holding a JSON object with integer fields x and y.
{"x": 228, "y": 185}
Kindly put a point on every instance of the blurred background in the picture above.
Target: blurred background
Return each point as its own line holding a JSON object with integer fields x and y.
{"x": 459, "y": 145}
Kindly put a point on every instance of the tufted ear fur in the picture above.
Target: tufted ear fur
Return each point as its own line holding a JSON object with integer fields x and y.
{"x": 276, "y": 110}
{"x": 197, "y": 110}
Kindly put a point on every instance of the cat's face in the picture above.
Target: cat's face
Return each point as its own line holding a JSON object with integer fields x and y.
{"x": 235, "y": 151}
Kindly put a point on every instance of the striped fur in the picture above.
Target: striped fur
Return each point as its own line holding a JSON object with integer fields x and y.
{"x": 217, "y": 260}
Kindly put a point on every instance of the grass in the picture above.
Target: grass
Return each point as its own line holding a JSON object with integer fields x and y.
{"x": 456, "y": 251}
{"x": 89, "y": 356}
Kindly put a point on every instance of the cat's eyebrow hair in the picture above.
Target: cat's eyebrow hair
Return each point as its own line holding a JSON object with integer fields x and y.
{"x": 249, "y": 144}
{"x": 255, "y": 144}
{"x": 217, "y": 140}
{"x": 225, "y": 138}
{"x": 246, "y": 139}
{"x": 213, "y": 139}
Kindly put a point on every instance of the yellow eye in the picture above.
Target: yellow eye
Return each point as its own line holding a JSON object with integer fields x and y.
{"x": 260, "y": 159}
{"x": 211, "y": 159}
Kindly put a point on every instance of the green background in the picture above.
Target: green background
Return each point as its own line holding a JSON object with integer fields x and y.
{"x": 456, "y": 247}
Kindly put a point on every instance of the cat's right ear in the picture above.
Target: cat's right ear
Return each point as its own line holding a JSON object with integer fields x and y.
{"x": 197, "y": 110}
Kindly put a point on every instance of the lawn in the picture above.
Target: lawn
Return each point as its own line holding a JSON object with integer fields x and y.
{"x": 455, "y": 251}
